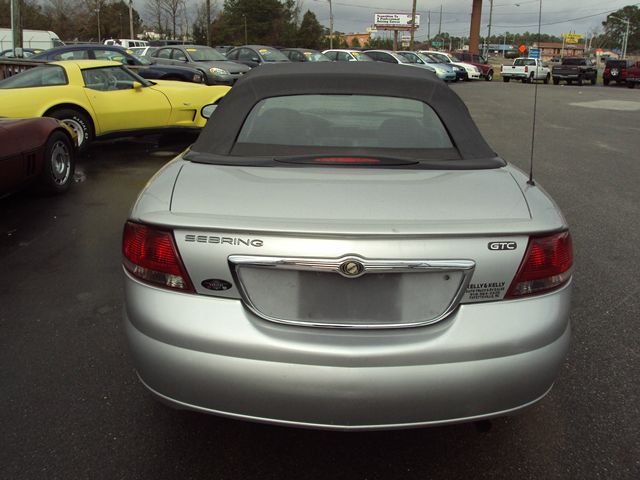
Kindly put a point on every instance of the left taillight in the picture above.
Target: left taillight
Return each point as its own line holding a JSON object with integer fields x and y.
{"x": 150, "y": 254}
{"x": 546, "y": 266}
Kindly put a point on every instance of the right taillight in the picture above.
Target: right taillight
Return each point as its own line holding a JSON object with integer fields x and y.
{"x": 546, "y": 265}
{"x": 150, "y": 254}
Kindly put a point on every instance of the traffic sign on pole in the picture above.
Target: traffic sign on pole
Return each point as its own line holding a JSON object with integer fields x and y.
{"x": 534, "y": 53}
{"x": 522, "y": 48}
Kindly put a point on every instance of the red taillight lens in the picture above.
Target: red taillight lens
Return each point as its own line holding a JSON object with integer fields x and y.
{"x": 151, "y": 255}
{"x": 526, "y": 69}
{"x": 546, "y": 265}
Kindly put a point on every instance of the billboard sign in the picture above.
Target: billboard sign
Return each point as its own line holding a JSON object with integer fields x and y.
{"x": 395, "y": 21}
{"x": 534, "y": 53}
{"x": 572, "y": 37}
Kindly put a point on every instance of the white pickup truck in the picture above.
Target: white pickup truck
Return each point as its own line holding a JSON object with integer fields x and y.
{"x": 526, "y": 70}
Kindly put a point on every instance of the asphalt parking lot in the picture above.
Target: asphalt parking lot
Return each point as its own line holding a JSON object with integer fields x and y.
{"x": 71, "y": 406}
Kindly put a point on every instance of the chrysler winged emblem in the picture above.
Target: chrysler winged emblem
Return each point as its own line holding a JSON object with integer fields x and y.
{"x": 351, "y": 268}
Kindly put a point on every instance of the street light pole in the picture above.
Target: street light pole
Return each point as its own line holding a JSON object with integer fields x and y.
{"x": 16, "y": 28}
{"x": 208, "y": 6}
{"x": 486, "y": 49}
{"x": 246, "y": 41}
{"x": 330, "y": 25}
{"x": 625, "y": 39}
{"x": 413, "y": 24}
{"x": 131, "y": 19}
{"x": 98, "y": 12}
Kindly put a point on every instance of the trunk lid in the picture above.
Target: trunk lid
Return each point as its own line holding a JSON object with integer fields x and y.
{"x": 349, "y": 201}
{"x": 346, "y": 247}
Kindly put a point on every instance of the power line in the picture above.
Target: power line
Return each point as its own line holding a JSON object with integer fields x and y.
{"x": 567, "y": 20}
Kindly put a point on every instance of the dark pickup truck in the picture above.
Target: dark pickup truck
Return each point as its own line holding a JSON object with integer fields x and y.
{"x": 578, "y": 69}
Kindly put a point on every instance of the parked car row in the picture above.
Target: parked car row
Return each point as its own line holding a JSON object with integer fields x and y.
{"x": 202, "y": 64}
{"x": 578, "y": 70}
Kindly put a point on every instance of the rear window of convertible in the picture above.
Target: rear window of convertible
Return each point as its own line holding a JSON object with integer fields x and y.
{"x": 359, "y": 121}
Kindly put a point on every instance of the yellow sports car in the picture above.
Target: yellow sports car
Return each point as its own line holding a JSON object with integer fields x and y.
{"x": 103, "y": 98}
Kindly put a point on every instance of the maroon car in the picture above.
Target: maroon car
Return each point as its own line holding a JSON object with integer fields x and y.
{"x": 36, "y": 150}
{"x": 486, "y": 69}
{"x": 616, "y": 71}
{"x": 633, "y": 75}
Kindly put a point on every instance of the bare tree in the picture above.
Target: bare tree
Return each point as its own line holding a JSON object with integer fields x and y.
{"x": 172, "y": 8}
{"x": 155, "y": 13}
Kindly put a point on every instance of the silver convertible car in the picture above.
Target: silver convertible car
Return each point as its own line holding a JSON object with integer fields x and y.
{"x": 341, "y": 249}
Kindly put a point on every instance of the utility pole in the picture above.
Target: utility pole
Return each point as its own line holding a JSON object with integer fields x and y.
{"x": 440, "y": 22}
{"x": 429, "y": 28}
{"x": 208, "y": 6}
{"x": 16, "y": 28}
{"x": 131, "y": 19}
{"x": 413, "y": 24}
{"x": 474, "y": 33}
{"x": 625, "y": 39}
{"x": 486, "y": 49}
{"x": 330, "y": 25}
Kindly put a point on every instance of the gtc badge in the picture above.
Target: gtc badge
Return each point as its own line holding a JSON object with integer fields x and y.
{"x": 351, "y": 268}
{"x": 503, "y": 246}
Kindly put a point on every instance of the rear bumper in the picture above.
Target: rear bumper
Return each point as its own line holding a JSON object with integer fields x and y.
{"x": 211, "y": 355}
{"x": 515, "y": 74}
{"x": 566, "y": 76}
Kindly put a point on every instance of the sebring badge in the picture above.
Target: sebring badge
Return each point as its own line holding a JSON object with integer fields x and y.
{"x": 351, "y": 268}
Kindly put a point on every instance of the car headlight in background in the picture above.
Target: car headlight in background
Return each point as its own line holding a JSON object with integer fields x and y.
{"x": 218, "y": 71}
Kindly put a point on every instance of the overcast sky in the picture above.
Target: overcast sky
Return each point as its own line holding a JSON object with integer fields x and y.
{"x": 561, "y": 16}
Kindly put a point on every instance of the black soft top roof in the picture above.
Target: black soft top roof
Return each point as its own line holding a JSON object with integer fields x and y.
{"x": 339, "y": 78}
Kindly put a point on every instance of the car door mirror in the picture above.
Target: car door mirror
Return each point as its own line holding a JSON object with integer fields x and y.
{"x": 208, "y": 110}
{"x": 137, "y": 86}
{"x": 255, "y": 59}
{"x": 352, "y": 59}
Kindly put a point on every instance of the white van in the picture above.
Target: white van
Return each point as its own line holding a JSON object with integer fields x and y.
{"x": 126, "y": 42}
{"x": 40, "y": 39}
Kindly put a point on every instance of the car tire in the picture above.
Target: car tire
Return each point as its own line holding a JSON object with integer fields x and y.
{"x": 506, "y": 79}
{"x": 569, "y": 82}
{"x": 489, "y": 76}
{"x": 546, "y": 79}
{"x": 605, "y": 81}
{"x": 594, "y": 80}
{"x": 78, "y": 121}
{"x": 556, "y": 81}
{"x": 579, "y": 81}
{"x": 58, "y": 165}
{"x": 631, "y": 84}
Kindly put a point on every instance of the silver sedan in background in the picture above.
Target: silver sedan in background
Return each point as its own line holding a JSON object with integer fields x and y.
{"x": 341, "y": 249}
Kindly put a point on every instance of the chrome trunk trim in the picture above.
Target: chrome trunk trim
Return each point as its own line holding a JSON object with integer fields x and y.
{"x": 336, "y": 265}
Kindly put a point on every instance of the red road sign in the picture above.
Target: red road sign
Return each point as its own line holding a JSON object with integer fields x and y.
{"x": 522, "y": 49}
